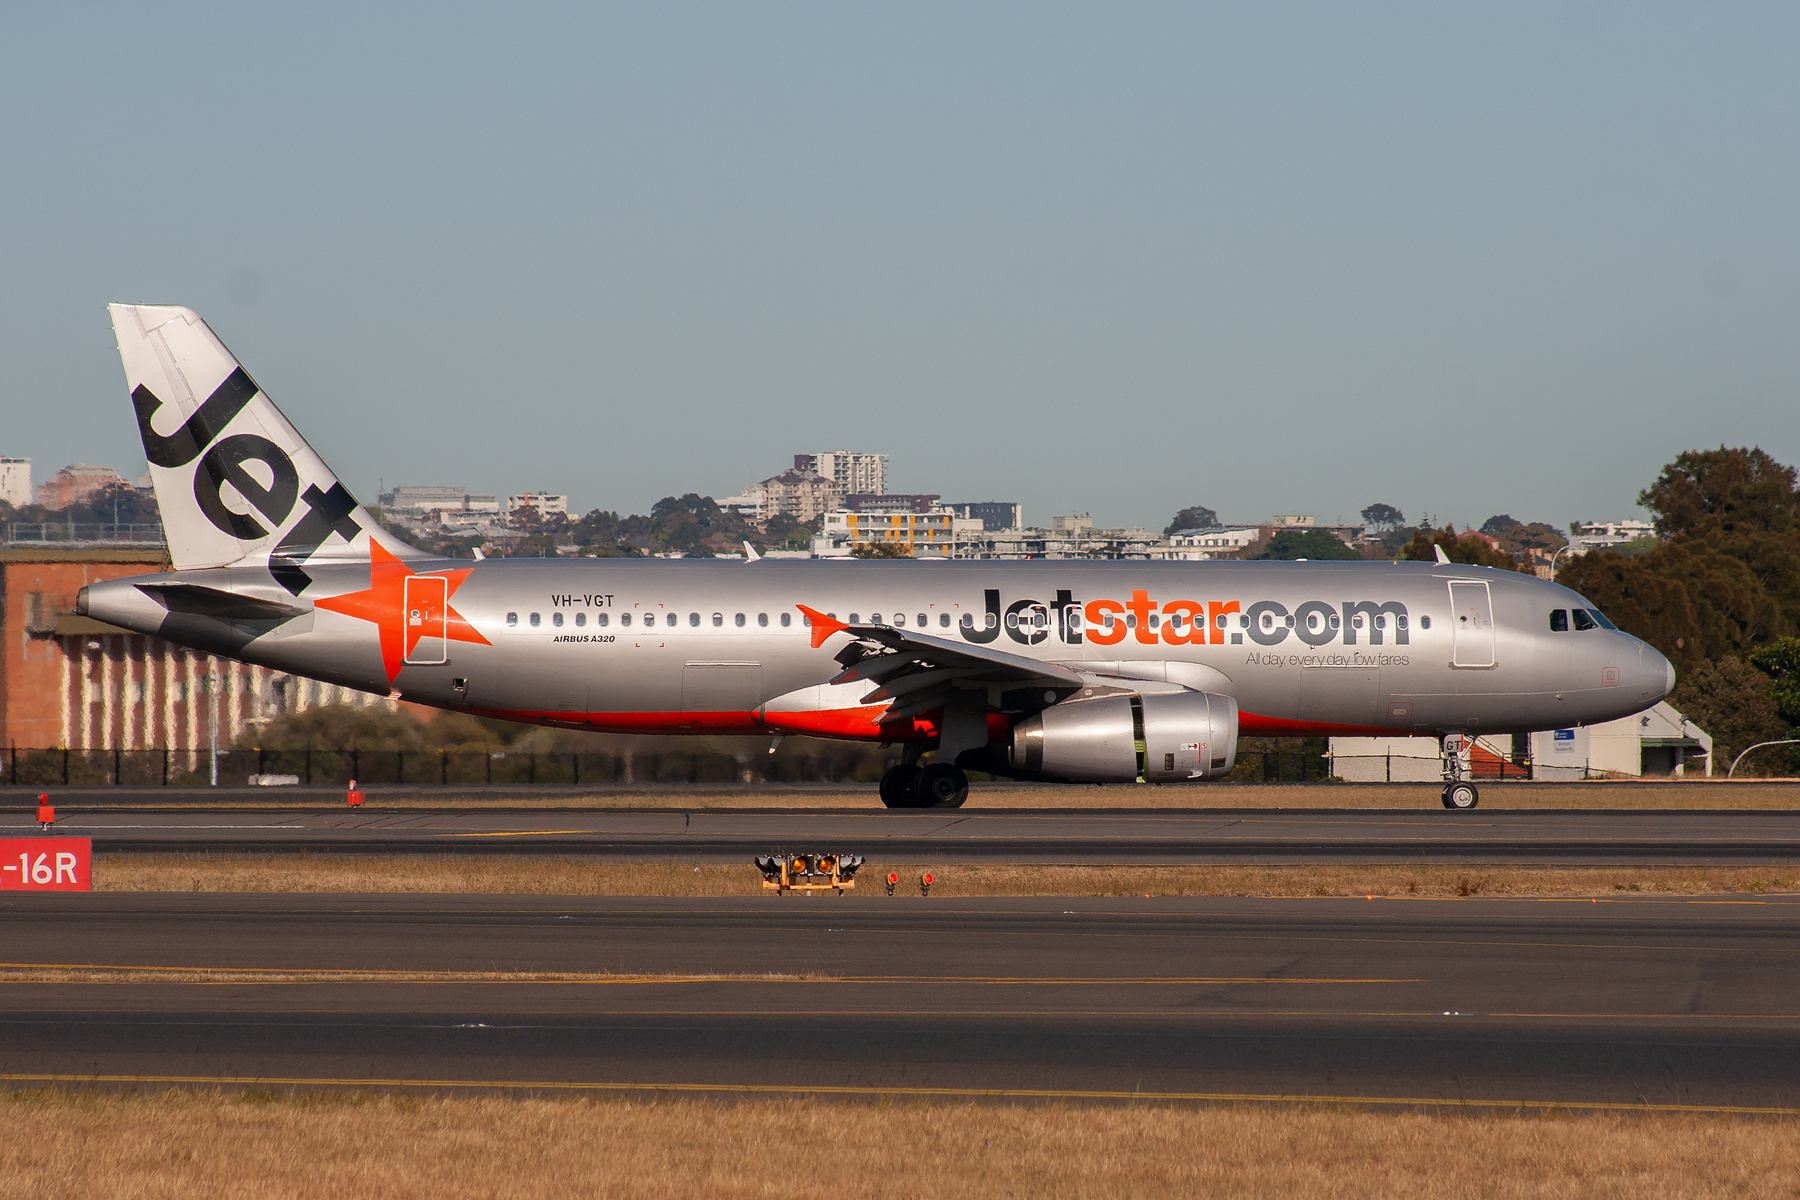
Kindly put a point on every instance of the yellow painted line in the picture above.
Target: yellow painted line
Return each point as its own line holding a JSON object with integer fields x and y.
{"x": 775, "y": 1089}
{"x": 512, "y": 833}
{"x": 377, "y": 976}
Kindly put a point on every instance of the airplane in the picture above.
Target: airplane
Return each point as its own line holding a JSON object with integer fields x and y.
{"x": 1070, "y": 670}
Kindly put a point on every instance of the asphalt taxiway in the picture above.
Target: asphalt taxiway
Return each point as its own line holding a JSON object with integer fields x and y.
{"x": 1691, "y": 1002}
{"x": 1611, "y": 836}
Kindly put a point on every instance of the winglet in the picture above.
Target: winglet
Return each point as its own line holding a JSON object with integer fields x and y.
{"x": 1443, "y": 559}
{"x": 750, "y": 553}
{"x": 822, "y": 625}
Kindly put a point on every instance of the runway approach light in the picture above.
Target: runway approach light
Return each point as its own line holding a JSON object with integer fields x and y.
{"x": 925, "y": 882}
{"x": 47, "y": 813}
{"x": 892, "y": 879}
{"x": 354, "y": 798}
{"x": 808, "y": 872}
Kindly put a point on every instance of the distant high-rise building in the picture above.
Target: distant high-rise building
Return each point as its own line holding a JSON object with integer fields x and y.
{"x": 855, "y": 474}
{"x": 15, "y": 481}
{"x": 802, "y": 495}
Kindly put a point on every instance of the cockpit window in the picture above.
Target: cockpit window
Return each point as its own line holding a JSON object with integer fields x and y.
{"x": 1559, "y": 620}
{"x": 1583, "y": 621}
{"x": 1601, "y": 617}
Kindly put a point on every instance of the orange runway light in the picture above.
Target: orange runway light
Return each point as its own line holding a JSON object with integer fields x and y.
{"x": 46, "y": 811}
{"x": 355, "y": 797}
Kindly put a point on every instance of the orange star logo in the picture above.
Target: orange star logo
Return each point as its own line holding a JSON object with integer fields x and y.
{"x": 384, "y": 603}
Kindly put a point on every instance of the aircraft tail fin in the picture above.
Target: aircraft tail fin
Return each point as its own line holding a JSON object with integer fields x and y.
{"x": 236, "y": 484}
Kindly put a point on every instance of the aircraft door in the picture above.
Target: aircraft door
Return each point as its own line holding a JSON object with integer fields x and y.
{"x": 427, "y": 602}
{"x": 1472, "y": 624}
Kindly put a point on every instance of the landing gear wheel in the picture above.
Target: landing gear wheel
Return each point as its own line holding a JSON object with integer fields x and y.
{"x": 940, "y": 786}
{"x": 897, "y": 786}
{"x": 1461, "y": 795}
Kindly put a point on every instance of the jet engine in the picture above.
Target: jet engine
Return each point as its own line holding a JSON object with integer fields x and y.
{"x": 1160, "y": 738}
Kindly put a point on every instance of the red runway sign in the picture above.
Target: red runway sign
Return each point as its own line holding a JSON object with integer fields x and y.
{"x": 46, "y": 864}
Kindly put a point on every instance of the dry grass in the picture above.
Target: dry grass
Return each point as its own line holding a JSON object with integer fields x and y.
{"x": 566, "y": 877}
{"x": 369, "y": 1147}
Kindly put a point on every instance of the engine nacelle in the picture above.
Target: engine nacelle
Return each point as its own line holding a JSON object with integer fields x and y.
{"x": 1186, "y": 735}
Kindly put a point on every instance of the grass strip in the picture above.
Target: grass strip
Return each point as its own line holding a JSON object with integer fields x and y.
{"x": 530, "y": 875}
{"x": 275, "y": 1143}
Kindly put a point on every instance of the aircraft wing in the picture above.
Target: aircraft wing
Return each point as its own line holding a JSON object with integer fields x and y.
{"x": 917, "y": 672}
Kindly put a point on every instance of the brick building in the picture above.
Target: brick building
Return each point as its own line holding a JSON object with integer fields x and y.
{"x": 70, "y": 681}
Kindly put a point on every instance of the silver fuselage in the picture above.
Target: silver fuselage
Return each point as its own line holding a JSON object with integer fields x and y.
{"x": 654, "y": 645}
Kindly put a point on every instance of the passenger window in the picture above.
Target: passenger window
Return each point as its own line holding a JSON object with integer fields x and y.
{"x": 512, "y": 620}
{"x": 624, "y": 618}
{"x": 670, "y": 620}
{"x": 535, "y": 620}
{"x": 924, "y": 620}
{"x": 944, "y": 620}
{"x": 600, "y": 620}
{"x": 1356, "y": 621}
{"x": 556, "y": 620}
{"x": 1559, "y": 620}
{"x": 968, "y": 621}
{"x": 580, "y": 620}
{"x": 762, "y": 620}
{"x": 693, "y": 620}
{"x": 1131, "y": 621}
{"x": 718, "y": 619}
{"x": 738, "y": 620}
{"x": 1583, "y": 622}
{"x": 899, "y": 618}
{"x": 853, "y": 619}
{"x": 1074, "y": 618}
{"x": 1012, "y": 620}
{"x": 874, "y": 618}
{"x": 1380, "y": 622}
{"x": 787, "y": 619}
{"x": 1424, "y": 622}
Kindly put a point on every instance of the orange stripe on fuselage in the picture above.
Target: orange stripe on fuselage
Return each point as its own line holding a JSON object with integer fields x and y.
{"x": 852, "y": 724}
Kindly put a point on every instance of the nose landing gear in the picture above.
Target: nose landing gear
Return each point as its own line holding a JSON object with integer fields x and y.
{"x": 1461, "y": 795}
{"x": 1458, "y": 794}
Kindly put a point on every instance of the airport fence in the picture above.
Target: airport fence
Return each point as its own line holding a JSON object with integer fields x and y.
{"x": 181, "y": 767}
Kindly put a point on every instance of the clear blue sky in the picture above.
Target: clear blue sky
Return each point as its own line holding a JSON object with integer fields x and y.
{"x": 1463, "y": 259}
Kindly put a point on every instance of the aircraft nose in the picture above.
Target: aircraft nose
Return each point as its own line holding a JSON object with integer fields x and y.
{"x": 1658, "y": 667}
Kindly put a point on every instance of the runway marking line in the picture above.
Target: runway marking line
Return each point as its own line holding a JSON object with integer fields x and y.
{"x": 775, "y": 1089}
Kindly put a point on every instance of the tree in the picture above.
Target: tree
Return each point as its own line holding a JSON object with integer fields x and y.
{"x": 1735, "y": 703}
{"x": 1472, "y": 551}
{"x": 881, "y": 550}
{"x": 1291, "y": 544}
{"x": 1196, "y": 517}
{"x": 1383, "y": 516}
{"x": 1780, "y": 661}
{"x": 1708, "y": 492}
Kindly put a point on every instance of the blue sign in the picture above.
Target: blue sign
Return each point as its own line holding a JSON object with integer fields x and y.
{"x": 1565, "y": 735}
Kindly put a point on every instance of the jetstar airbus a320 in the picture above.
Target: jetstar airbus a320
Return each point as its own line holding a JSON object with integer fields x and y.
{"x": 1093, "y": 671}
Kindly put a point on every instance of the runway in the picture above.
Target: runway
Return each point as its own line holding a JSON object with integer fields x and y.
{"x": 1147, "y": 836}
{"x": 1660, "y": 1002}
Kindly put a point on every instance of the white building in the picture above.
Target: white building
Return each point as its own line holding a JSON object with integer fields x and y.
{"x": 1657, "y": 741}
{"x": 15, "y": 481}
{"x": 855, "y": 473}
{"x": 1200, "y": 544}
{"x": 749, "y": 503}
{"x": 419, "y": 499}
{"x": 544, "y": 502}
{"x": 1599, "y": 535}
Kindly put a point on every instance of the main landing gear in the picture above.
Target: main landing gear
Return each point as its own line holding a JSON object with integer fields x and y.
{"x": 1461, "y": 795}
{"x": 939, "y": 785}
